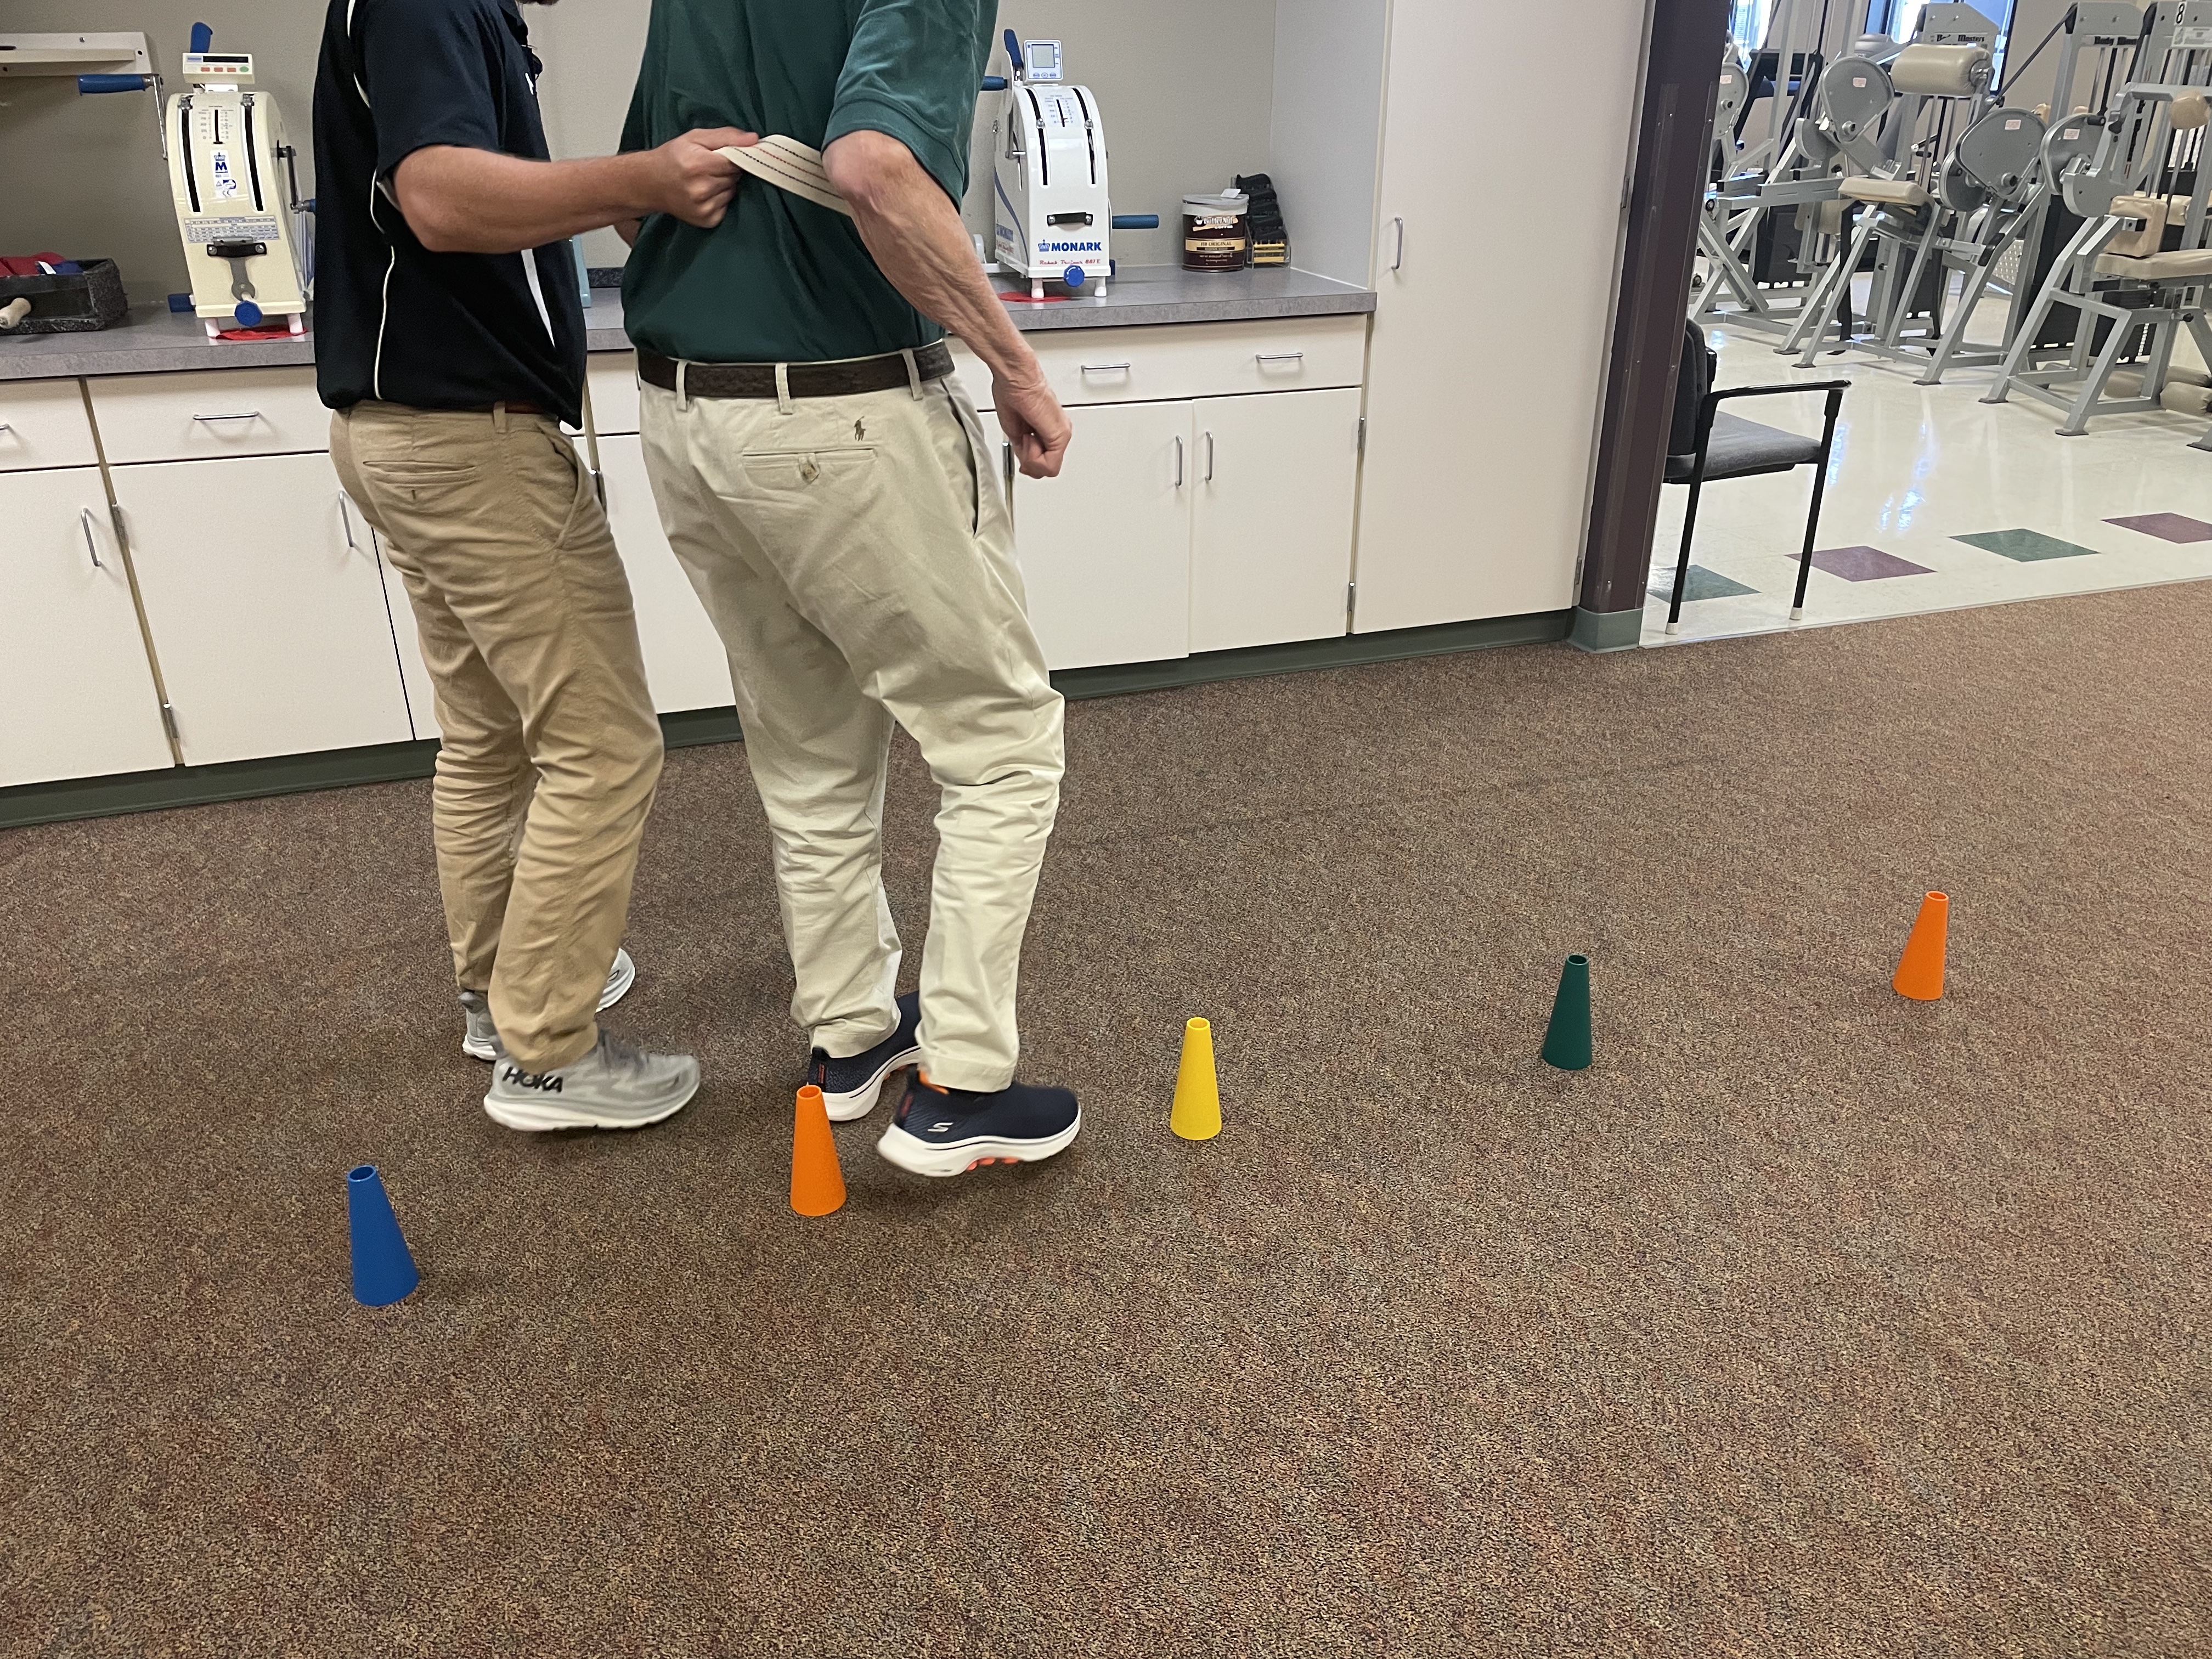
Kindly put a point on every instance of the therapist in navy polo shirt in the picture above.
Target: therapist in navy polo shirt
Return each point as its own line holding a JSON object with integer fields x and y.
{"x": 450, "y": 345}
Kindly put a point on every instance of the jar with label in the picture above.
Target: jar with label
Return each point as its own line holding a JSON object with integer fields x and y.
{"x": 1217, "y": 232}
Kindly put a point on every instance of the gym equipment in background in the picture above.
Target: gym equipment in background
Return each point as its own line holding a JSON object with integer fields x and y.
{"x": 2134, "y": 273}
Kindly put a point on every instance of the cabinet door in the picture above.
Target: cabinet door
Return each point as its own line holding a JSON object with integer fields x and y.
{"x": 77, "y": 695}
{"x": 266, "y": 605}
{"x": 1105, "y": 547}
{"x": 684, "y": 662}
{"x": 1483, "y": 386}
{"x": 1271, "y": 551}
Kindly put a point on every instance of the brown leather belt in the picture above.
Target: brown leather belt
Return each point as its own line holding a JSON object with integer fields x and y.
{"x": 840, "y": 380}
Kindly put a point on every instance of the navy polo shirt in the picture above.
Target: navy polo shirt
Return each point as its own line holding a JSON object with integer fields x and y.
{"x": 394, "y": 321}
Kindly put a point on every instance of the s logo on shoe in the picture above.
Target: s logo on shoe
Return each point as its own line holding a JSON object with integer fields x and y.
{"x": 550, "y": 1082}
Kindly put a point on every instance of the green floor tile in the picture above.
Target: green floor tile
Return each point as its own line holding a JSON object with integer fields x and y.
{"x": 1702, "y": 584}
{"x": 2024, "y": 545}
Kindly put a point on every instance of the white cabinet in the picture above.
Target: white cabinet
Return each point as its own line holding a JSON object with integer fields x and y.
{"x": 1484, "y": 370}
{"x": 1105, "y": 547}
{"x": 42, "y": 423}
{"x": 684, "y": 662}
{"x": 204, "y": 414}
{"x": 76, "y": 694}
{"x": 266, "y": 605}
{"x": 1202, "y": 526}
{"x": 1271, "y": 543}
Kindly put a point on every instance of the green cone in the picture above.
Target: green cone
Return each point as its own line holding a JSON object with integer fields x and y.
{"x": 1567, "y": 1042}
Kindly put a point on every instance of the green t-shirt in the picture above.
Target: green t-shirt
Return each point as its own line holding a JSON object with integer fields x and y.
{"x": 781, "y": 280}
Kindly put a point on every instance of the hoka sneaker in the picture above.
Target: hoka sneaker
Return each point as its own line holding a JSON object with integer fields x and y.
{"x": 849, "y": 1087}
{"x": 481, "y": 1042}
{"x": 947, "y": 1132}
{"x": 613, "y": 1087}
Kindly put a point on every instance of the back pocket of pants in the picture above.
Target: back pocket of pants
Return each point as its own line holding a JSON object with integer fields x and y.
{"x": 807, "y": 469}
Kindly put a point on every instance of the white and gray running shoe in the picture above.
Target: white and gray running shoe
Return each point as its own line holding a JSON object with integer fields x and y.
{"x": 482, "y": 1040}
{"x": 613, "y": 1087}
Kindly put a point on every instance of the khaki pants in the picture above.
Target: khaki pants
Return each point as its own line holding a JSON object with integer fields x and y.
{"x": 550, "y": 748}
{"x": 857, "y": 558}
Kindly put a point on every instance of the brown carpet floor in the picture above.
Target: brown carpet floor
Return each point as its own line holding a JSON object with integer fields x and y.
{"x": 1811, "y": 1321}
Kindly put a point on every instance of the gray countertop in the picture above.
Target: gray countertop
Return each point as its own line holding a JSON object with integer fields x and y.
{"x": 156, "y": 341}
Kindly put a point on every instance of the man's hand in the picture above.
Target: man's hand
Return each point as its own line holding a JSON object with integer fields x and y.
{"x": 477, "y": 201}
{"x": 691, "y": 182}
{"x": 1034, "y": 421}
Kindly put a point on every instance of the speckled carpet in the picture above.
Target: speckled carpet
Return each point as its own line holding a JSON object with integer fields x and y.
{"x": 1810, "y": 1322}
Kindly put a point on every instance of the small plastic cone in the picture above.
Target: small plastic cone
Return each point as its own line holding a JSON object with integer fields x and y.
{"x": 817, "y": 1185}
{"x": 383, "y": 1268}
{"x": 1567, "y": 1038}
{"x": 1197, "y": 1112}
{"x": 1920, "y": 970}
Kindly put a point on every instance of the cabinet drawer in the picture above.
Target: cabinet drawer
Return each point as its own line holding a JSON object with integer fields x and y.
{"x": 1202, "y": 360}
{"x": 42, "y": 423}
{"x": 205, "y": 414}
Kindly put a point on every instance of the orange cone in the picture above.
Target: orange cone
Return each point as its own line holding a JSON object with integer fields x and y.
{"x": 817, "y": 1185}
{"x": 1920, "y": 970}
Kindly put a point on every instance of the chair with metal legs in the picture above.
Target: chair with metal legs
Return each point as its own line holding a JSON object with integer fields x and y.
{"x": 1709, "y": 445}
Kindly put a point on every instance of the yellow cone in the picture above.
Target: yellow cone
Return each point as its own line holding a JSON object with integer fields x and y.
{"x": 1197, "y": 1114}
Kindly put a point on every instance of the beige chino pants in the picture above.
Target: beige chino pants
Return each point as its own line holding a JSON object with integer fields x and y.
{"x": 550, "y": 751}
{"x": 858, "y": 560}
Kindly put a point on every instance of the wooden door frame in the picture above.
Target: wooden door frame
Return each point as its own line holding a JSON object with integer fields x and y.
{"x": 1667, "y": 185}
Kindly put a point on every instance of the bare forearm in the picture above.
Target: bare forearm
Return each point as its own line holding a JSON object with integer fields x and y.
{"x": 472, "y": 201}
{"x": 916, "y": 236}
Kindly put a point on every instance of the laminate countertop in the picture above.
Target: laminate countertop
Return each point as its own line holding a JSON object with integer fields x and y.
{"x": 154, "y": 340}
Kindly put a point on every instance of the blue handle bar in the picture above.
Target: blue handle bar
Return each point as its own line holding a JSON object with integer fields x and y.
{"x": 203, "y": 38}
{"x": 995, "y": 83}
{"x": 1013, "y": 49}
{"x": 1136, "y": 221}
{"x": 113, "y": 82}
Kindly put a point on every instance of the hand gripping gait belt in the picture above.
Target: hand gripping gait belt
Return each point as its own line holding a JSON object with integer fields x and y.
{"x": 788, "y": 165}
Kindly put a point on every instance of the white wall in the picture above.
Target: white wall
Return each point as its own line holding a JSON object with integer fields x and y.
{"x": 1326, "y": 130}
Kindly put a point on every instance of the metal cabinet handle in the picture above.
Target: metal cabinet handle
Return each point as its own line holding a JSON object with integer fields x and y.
{"x": 1178, "y": 461}
{"x": 1209, "y": 458}
{"x": 91, "y": 546}
{"x": 1279, "y": 356}
{"x": 249, "y": 415}
{"x": 4, "y": 427}
{"x": 1009, "y": 448}
{"x": 345, "y": 519}
{"x": 1106, "y": 369}
{"x": 1398, "y": 254}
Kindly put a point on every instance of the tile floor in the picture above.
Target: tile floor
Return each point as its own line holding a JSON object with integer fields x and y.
{"x": 1936, "y": 501}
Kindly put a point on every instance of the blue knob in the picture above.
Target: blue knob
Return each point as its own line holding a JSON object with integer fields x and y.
{"x": 248, "y": 315}
{"x": 1073, "y": 275}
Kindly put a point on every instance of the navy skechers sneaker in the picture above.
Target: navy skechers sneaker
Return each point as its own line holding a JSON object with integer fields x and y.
{"x": 849, "y": 1087}
{"x": 947, "y": 1132}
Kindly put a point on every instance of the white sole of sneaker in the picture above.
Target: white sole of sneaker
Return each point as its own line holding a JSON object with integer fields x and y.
{"x": 921, "y": 1157}
{"x": 618, "y": 983}
{"x": 536, "y": 1117}
{"x": 623, "y": 975}
{"x": 857, "y": 1103}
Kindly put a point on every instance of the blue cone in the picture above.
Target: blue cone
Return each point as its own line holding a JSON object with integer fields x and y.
{"x": 383, "y": 1271}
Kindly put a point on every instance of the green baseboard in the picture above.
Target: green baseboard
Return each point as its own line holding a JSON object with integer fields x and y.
{"x": 393, "y": 763}
{"x": 1606, "y": 630}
